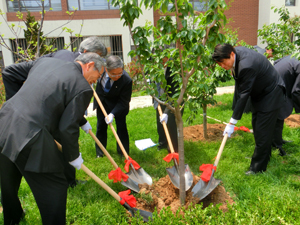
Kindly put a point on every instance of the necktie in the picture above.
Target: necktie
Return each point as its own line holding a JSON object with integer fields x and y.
{"x": 232, "y": 71}
{"x": 107, "y": 85}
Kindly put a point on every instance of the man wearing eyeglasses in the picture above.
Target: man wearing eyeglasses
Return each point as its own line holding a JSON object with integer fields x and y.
{"x": 114, "y": 89}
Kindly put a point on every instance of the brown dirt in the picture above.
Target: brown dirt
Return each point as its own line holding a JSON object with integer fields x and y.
{"x": 165, "y": 194}
{"x": 293, "y": 120}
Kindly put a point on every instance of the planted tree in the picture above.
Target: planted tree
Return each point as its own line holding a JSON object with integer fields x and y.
{"x": 194, "y": 36}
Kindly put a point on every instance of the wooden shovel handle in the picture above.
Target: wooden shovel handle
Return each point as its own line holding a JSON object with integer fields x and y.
{"x": 103, "y": 149}
{"x": 111, "y": 126}
{"x": 221, "y": 149}
{"x": 166, "y": 130}
{"x": 95, "y": 178}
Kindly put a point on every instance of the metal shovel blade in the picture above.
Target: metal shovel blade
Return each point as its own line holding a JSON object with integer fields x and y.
{"x": 131, "y": 184}
{"x": 202, "y": 188}
{"x": 175, "y": 178}
{"x": 145, "y": 214}
{"x": 140, "y": 176}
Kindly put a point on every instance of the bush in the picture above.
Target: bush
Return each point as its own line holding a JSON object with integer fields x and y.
{"x": 135, "y": 73}
{"x": 2, "y": 91}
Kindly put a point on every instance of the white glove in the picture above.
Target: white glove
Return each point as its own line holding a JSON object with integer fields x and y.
{"x": 86, "y": 127}
{"x": 77, "y": 162}
{"x": 109, "y": 118}
{"x": 229, "y": 129}
{"x": 164, "y": 117}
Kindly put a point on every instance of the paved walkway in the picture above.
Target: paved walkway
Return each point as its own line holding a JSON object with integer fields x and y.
{"x": 145, "y": 101}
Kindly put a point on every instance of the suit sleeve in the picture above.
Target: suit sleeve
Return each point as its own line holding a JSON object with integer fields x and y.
{"x": 247, "y": 77}
{"x": 124, "y": 99}
{"x": 14, "y": 76}
{"x": 296, "y": 89}
{"x": 69, "y": 124}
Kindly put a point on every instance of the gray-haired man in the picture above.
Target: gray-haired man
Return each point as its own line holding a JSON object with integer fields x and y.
{"x": 114, "y": 89}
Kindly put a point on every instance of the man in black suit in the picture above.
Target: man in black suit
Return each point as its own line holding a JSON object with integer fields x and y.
{"x": 50, "y": 105}
{"x": 13, "y": 81}
{"x": 255, "y": 77}
{"x": 167, "y": 116}
{"x": 289, "y": 70}
{"x": 114, "y": 90}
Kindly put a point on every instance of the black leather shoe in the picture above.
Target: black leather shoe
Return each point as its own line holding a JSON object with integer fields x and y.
{"x": 285, "y": 141}
{"x": 99, "y": 156}
{"x": 250, "y": 172}
{"x": 281, "y": 152}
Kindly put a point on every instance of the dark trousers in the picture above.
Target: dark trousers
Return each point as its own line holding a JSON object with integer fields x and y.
{"x": 121, "y": 131}
{"x": 263, "y": 124}
{"x": 172, "y": 128}
{"x": 49, "y": 190}
{"x": 70, "y": 174}
{"x": 277, "y": 140}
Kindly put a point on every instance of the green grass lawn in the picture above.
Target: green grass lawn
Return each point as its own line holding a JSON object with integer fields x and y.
{"x": 269, "y": 198}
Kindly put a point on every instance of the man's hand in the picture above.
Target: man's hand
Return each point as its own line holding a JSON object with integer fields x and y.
{"x": 77, "y": 162}
{"x": 109, "y": 118}
{"x": 229, "y": 129}
{"x": 164, "y": 117}
{"x": 86, "y": 127}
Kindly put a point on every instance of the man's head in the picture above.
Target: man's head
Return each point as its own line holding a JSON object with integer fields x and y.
{"x": 114, "y": 67}
{"x": 92, "y": 66}
{"x": 93, "y": 44}
{"x": 224, "y": 55}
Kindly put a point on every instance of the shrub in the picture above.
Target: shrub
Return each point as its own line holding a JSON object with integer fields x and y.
{"x": 135, "y": 73}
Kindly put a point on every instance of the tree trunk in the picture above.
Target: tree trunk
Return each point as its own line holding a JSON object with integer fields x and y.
{"x": 205, "y": 121}
{"x": 179, "y": 122}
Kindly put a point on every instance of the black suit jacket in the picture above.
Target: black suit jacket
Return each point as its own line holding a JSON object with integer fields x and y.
{"x": 256, "y": 77}
{"x": 116, "y": 101}
{"x": 289, "y": 69}
{"x": 50, "y": 104}
{"x": 13, "y": 78}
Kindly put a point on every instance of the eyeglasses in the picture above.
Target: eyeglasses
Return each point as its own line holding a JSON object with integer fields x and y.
{"x": 116, "y": 75}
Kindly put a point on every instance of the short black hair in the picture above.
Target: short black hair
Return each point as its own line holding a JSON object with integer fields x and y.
{"x": 222, "y": 51}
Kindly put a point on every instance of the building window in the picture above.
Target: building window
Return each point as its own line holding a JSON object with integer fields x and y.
{"x": 90, "y": 5}
{"x": 112, "y": 43}
{"x": 57, "y": 43}
{"x": 198, "y": 5}
{"x": 32, "y": 5}
{"x": 290, "y": 2}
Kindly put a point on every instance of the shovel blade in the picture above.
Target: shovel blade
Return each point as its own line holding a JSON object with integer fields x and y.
{"x": 202, "y": 189}
{"x": 140, "y": 176}
{"x": 175, "y": 178}
{"x": 145, "y": 214}
{"x": 131, "y": 184}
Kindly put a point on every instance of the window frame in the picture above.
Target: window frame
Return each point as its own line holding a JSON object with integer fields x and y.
{"x": 79, "y": 6}
{"x": 24, "y": 9}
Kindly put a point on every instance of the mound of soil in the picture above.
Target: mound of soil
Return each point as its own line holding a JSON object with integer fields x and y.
{"x": 293, "y": 120}
{"x": 165, "y": 194}
{"x": 195, "y": 133}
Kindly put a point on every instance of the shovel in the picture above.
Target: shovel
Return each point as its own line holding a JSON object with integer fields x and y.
{"x": 138, "y": 175}
{"x": 132, "y": 210}
{"x": 202, "y": 188}
{"x": 129, "y": 183}
{"x": 145, "y": 214}
{"x": 173, "y": 171}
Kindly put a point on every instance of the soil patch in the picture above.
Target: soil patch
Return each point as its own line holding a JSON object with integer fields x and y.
{"x": 195, "y": 133}
{"x": 293, "y": 120}
{"x": 164, "y": 194}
